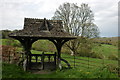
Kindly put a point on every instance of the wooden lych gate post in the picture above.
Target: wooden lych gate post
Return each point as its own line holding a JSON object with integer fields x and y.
{"x": 35, "y": 29}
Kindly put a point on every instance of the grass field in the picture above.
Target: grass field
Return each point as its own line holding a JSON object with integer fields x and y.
{"x": 81, "y": 71}
{"x": 86, "y": 67}
{"x": 96, "y": 69}
{"x": 85, "y": 60}
{"x": 106, "y": 50}
{"x": 13, "y": 71}
{"x": 44, "y": 45}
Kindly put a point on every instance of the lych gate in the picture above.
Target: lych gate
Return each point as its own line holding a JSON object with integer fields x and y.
{"x": 40, "y": 61}
{"x": 35, "y": 29}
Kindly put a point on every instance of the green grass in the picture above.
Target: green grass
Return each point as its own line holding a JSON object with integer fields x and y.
{"x": 82, "y": 71}
{"x": 94, "y": 70}
{"x": 13, "y": 71}
{"x": 94, "y": 61}
{"x": 40, "y": 52}
{"x": 85, "y": 62}
{"x": 106, "y": 50}
{"x": 45, "y": 45}
{"x": 11, "y": 42}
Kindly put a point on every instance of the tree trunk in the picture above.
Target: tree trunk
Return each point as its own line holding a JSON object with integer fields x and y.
{"x": 72, "y": 52}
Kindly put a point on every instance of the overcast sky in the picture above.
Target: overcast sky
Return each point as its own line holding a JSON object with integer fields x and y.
{"x": 13, "y": 12}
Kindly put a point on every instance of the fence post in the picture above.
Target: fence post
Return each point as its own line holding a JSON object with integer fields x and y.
{"x": 74, "y": 60}
{"x": 88, "y": 63}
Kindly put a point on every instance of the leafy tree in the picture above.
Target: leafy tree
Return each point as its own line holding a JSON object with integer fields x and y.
{"x": 78, "y": 21}
{"x": 4, "y": 34}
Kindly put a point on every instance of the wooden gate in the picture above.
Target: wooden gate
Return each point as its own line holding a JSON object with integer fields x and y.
{"x": 42, "y": 61}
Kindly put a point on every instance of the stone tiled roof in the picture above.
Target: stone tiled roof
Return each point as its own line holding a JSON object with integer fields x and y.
{"x": 41, "y": 28}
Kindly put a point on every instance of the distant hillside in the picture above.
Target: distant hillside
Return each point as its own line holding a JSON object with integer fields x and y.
{"x": 108, "y": 40}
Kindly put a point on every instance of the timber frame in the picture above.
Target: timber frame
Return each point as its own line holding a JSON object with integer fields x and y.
{"x": 36, "y": 29}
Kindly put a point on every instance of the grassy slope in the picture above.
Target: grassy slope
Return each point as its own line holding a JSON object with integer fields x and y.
{"x": 106, "y": 50}
{"x": 80, "y": 71}
{"x": 42, "y": 45}
{"x": 111, "y": 40}
{"x": 84, "y": 60}
{"x": 13, "y": 71}
{"x": 93, "y": 60}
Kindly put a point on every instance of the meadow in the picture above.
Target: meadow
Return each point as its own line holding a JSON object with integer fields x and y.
{"x": 84, "y": 67}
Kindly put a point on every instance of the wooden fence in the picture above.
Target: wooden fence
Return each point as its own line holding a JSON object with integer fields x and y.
{"x": 89, "y": 64}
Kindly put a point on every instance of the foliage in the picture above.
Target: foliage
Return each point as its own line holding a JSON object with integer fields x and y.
{"x": 9, "y": 54}
{"x": 113, "y": 57}
{"x": 108, "y": 51}
{"x": 82, "y": 71}
{"x": 103, "y": 72}
{"x": 43, "y": 45}
{"x": 13, "y": 71}
{"x": 112, "y": 68}
{"x": 107, "y": 40}
{"x": 11, "y": 42}
{"x": 4, "y": 34}
{"x": 86, "y": 48}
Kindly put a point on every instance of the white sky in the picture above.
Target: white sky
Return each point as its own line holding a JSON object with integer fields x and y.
{"x": 13, "y": 12}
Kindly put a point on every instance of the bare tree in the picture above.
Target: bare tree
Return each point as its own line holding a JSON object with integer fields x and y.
{"x": 78, "y": 21}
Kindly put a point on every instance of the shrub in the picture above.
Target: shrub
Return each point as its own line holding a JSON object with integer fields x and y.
{"x": 9, "y": 54}
{"x": 5, "y": 34}
{"x": 96, "y": 55}
{"x": 99, "y": 45}
{"x": 85, "y": 50}
{"x": 112, "y": 68}
{"x": 11, "y": 42}
{"x": 65, "y": 50}
{"x": 92, "y": 55}
{"x": 104, "y": 72}
{"x": 16, "y": 43}
{"x": 113, "y": 57}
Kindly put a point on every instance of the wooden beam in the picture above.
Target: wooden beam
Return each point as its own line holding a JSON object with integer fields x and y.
{"x": 59, "y": 43}
{"x": 27, "y": 44}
